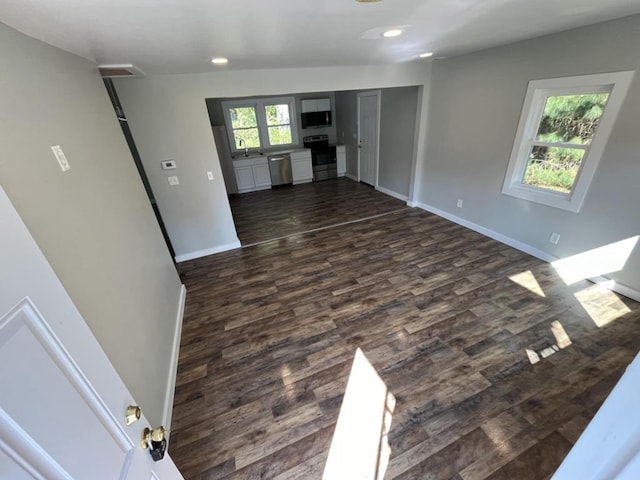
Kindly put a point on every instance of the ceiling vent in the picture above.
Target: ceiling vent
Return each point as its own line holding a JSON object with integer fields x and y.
{"x": 120, "y": 71}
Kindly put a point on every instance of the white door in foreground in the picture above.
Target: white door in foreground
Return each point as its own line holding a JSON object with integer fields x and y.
{"x": 62, "y": 404}
{"x": 609, "y": 448}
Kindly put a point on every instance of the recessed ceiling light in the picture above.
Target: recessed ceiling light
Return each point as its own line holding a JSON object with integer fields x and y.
{"x": 219, "y": 60}
{"x": 426, "y": 54}
{"x": 396, "y": 32}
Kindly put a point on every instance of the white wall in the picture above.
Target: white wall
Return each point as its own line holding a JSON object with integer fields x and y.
{"x": 94, "y": 223}
{"x": 475, "y": 106}
{"x": 169, "y": 119}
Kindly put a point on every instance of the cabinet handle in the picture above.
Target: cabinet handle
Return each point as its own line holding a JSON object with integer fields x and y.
{"x": 276, "y": 159}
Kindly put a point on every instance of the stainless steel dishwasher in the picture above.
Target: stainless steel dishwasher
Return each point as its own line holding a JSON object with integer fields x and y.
{"x": 280, "y": 169}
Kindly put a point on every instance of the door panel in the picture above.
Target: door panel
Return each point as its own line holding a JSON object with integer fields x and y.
{"x": 368, "y": 137}
{"x": 62, "y": 403}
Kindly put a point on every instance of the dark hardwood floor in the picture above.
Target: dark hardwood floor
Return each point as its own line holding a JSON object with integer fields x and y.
{"x": 496, "y": 365}
{"x": 285, "y": 210}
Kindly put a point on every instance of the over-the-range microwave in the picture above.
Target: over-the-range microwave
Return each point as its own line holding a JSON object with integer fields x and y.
{"x": 316, "y": 119}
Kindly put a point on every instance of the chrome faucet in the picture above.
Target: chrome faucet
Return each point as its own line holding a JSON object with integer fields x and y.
{"x": 246, "y": 149}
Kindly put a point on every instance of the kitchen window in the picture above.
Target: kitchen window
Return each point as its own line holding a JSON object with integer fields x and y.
{"x": 563, "y": 129}
{"x": 260, "y": 123}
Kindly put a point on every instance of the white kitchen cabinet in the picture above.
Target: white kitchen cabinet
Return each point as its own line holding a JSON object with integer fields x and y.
{"x": 252, "y": 174}
{"x": 261, "y": 175}
{"x": 301, "y": 168}
{"x": 341, "y": 154}
{"x": 316, "y": 105}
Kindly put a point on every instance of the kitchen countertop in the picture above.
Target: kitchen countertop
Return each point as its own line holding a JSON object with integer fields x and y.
{"x": 251, "y": 155}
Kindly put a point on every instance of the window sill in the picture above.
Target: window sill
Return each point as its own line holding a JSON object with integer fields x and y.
{"x": 549, "y": 198}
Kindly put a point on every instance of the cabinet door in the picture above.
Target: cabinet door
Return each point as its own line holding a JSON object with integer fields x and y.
{"x": 342, "y": 160}
{"x": 323, "y": 105}
{"x": 301, "y": 169}
{"x": 244, "y": 178}
{"x": 309, "y": 106}
{"x": 261, "y": 175}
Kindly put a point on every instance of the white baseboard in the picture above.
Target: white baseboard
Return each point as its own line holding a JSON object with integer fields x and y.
{"x": 207, "y": 251}
{"x": 173, "y": 366}
{"x": 620, "y": 288}
{"x": 391, "y": 193}
{"x": 523, "y": 247}
{"x": 412, "y": 203}
{"x": 351, "y": 177}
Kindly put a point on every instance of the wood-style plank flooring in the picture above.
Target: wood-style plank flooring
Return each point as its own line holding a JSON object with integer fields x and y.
{"x": 289, "y": 209}
{"x": 451, "y": 320}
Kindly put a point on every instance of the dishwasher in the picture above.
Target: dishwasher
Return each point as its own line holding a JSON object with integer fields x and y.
{"x": 280, "y": 169}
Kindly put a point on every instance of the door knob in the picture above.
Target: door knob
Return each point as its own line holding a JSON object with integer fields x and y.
{"x": 156, "y": 441}
{"x": 132, "y": 414}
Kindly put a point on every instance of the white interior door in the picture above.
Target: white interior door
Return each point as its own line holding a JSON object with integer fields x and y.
{"x": 368, "y": 131}
{"x": 62, "y": 403}
{"x": 609, "y": 448}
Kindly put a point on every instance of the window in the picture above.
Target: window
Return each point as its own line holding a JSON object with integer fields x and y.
{"x": 260, "y": 123}
{"x": 244, "y": 125}
{"x": 563, "y": 129}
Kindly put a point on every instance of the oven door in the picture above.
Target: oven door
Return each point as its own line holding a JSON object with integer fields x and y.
{"x": 323, "y": 156}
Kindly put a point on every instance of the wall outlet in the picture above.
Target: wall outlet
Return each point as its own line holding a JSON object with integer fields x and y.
{"x": 459, "y": 204}
{"x": 61, "y": 157}
{"x": 554, "y": 238}
{"x": 173, "y": 181}
{"x": 210, "y": 175}
{"x": 168, "y": 164}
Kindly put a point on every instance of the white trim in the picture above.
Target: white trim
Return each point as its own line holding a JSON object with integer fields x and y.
{"x": 351, "y": 177}
{"x": 207, "y": 251}
{"x": 523, "y": 247}
{"x": 173, "y": 364}
{"x": 378, "y": 95}
{"x": 620, "y": 288}
{"x": 27, "y": 453}
{"x": 391, "y": 193}
{"x": 617, "y": 83}
{"x": 302, "y": 180}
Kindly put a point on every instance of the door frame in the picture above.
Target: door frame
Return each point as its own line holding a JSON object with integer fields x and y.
{"x": 378, "y": 95}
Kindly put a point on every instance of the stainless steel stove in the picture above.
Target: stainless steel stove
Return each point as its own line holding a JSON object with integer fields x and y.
{"x": 323, "y": 157}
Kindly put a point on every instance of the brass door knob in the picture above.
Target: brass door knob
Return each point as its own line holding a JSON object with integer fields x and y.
{"x": 157, "y": 435}
{"x": 132, "y": 414}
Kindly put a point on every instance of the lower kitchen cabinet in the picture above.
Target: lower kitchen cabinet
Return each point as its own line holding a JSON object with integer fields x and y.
{"x": 252, "y": 174}
{"x": 301, "y": 168}
{"x": 341, "y": 154}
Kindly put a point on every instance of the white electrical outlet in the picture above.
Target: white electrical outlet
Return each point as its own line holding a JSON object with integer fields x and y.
{"x": 554, "y": 238}
{"x": 61, "y": 157}
{"x": 210, "y": 175}
{"x": 173, "y": 181}
{"x": 459, "y": 204}
{"x": 168, "y": 164}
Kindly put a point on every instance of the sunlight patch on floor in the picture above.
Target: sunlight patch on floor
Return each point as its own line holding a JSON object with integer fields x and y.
{"x": 601, "y": 304}
{"x": 562, "y": 341}
{"x": 598, "y": 261}
{"x": 528, "y": 281}
{"x": 359, "y": 448}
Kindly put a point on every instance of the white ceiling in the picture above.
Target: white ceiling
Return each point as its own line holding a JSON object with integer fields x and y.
{"x": 180, "y": 36}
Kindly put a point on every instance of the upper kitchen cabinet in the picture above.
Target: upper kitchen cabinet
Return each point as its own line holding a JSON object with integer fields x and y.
{"x": 316, "y": 113}
{"x": 316, "y": 105}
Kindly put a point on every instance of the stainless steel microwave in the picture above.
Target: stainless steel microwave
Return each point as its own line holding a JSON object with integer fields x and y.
{"x": 316, "y": 119}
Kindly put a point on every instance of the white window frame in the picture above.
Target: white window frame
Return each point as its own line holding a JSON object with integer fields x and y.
{"x": 538, "y": 91}
{"x": 263, "y": 132}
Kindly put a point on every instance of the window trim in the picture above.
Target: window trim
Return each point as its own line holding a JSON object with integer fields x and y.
{"x": 263, "y": 129}
{"x": 616, "y": 83}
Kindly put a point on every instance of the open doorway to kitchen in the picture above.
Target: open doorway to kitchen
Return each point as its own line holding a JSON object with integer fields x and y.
{"x": 318, "y": 134}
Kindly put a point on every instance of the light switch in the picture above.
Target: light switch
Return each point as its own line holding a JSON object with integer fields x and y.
{"x": 173, "y": 180}
{"x": 168, "y": 164}
{"x": 210, "y": 175}
{"x": 61, "y": 157}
